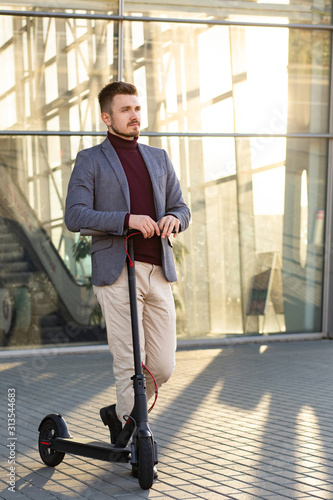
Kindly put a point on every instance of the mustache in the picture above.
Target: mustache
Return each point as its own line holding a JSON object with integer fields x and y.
{"x": 134, "y": 122}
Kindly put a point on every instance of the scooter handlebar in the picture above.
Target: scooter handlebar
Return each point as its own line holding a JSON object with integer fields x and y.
{"x": 95, "y": 232}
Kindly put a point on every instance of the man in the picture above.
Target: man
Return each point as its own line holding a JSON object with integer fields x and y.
{"x": 117, "y": 185}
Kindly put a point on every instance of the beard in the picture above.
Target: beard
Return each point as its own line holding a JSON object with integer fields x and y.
{"x": 130, "y": 133}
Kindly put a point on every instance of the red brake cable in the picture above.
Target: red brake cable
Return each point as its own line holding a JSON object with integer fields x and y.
{"x": 156, "y": 388}
{"x": 125, "y": 245}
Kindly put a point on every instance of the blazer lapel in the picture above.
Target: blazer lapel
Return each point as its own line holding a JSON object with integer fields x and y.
{"x": 115, "y": 164}
{"x": 149, "y": 161}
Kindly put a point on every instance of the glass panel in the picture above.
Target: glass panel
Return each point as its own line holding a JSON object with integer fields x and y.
{"x": 82, "y": 6}
{"x": 40, "y": 168}
{"x": 230, "y": 79}
{"x": 265, "y": 11}
{"x": 74, "y": 60}
{"x": 303, "y": 285}
{"x": 245, "y": 270}
{"x": 41, "y": 301}
{"x": 240, "y": 266}
{"x": 264, "y": 81}
{"x": 252, "y": 260}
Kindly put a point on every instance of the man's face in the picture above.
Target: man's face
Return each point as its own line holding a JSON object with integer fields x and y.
{"x": 124, "y": 119}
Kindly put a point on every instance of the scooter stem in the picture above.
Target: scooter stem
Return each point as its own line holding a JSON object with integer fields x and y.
{"x": 134, "y": 309}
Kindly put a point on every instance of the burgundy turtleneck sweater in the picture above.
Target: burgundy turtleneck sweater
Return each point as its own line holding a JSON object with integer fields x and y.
{"x": 141, "y": 196}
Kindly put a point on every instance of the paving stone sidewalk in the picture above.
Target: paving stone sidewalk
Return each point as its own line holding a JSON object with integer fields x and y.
{"x": 245, "y": 422}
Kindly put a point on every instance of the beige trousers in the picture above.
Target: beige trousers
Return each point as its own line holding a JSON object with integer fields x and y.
{"x": 157, "y": 324}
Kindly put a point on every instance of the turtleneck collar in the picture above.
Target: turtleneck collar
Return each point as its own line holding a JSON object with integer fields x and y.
{"x": 120, "y": 143}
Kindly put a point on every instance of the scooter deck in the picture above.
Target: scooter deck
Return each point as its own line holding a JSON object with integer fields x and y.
{"x": 91, "y": 449}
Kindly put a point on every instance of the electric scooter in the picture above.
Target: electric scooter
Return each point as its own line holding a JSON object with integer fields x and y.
{"x": 55, "y": 439}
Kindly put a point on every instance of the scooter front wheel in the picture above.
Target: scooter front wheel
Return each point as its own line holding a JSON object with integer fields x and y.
{"x": 47, "y": 432}
{"x": 145, "y": 455}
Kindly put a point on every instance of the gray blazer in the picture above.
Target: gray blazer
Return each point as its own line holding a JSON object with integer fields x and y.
{"x": 98, "y": 198}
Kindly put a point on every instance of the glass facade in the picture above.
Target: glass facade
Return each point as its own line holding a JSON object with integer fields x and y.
{"x": 239, "y": 95}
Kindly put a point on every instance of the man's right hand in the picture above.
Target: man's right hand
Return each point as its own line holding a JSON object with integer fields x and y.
{"x": 145, "y": 224}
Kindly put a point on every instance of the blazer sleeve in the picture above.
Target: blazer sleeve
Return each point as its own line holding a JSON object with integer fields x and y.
{"x": 79, "y": 210}
{"x": 175, "y": 204}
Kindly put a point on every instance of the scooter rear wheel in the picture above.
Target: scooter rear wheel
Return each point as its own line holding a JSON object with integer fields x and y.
{"x": 49, "y": 431}
{"x": 145, "y": 462}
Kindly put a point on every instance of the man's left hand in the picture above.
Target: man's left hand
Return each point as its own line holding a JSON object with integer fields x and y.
{"x": 167, "y": 225}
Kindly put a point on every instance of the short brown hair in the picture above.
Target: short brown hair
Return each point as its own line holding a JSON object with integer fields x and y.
{"x": 110, "y": 90}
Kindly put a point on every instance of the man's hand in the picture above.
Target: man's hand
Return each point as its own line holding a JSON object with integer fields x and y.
{"x": 167, "y": 224}
{"x": 145, "y": 224}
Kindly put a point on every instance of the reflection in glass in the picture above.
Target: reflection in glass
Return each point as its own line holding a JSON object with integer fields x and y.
{"x": 254, "y": 221}
{"x": 101, "y": 7}
{"x": 65, "y": 62}
{"x": 305, "y": 220}
{"x": 231, "y": 79}
{"x": 252, "y": 260}
{"x": 261, "y": 11}
{"x": 237, "y": 218}
{"x": 40, "y": 299}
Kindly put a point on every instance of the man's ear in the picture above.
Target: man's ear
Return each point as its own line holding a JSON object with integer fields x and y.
{"x": 106, "y": 118}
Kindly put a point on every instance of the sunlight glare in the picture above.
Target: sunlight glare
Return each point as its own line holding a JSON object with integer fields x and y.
{"x": 308, "y": 439}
